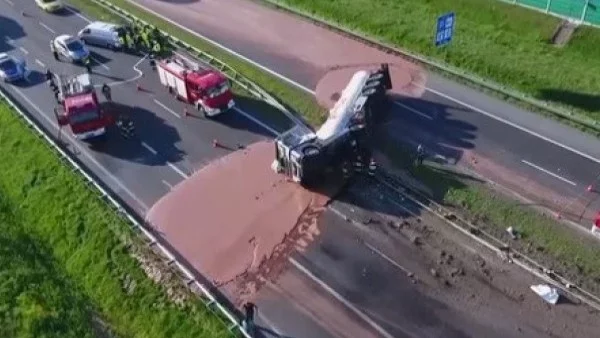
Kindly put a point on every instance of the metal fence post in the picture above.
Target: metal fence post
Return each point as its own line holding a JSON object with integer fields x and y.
{"x": 548, "y": 2}
{"x": 585, "y": 8}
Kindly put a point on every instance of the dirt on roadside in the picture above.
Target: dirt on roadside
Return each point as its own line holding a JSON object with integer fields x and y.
{"x": 468, "y": 277}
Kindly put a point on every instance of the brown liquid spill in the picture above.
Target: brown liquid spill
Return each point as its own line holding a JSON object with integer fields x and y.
{"x": 236, "y": 221}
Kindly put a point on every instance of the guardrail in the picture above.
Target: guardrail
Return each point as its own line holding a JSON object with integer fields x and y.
{"x": 209, "y": 299}
{"x": 444, "y": 68}
{"x": 583, "y": 12}
{"x": 496, "y": 245}
{"x": 232, "y": 74}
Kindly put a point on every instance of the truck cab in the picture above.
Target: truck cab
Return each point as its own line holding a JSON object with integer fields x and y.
{"x": 343, "y": 142}
{"x": 81, "y": 109}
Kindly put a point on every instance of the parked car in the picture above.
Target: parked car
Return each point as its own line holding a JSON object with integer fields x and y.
{"x": 71, "y": 48}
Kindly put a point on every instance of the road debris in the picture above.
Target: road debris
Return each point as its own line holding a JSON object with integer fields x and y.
{"x": 548, "y": 293}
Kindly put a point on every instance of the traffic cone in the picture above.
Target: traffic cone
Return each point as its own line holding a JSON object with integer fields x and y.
{"x": 138, "y": 87}
{"x": 216, "y": 143}
{"x": 590, "y": 188}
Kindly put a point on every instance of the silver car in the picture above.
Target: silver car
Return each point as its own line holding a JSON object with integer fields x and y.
{"x": 11, "y": 68}
{"x": 70, "y": 47}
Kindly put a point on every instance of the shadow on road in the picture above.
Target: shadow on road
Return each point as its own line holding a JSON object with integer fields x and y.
{"x": 9, "y": 30}
{"x": 148, "y": 127}
{"x": 34, "y": 78}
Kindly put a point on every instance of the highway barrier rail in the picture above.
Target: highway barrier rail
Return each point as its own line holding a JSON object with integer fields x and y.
{"x": 138, "y": 225}
{"x": 233, "y": 75}
{"x": 395, "y": 186}
{"x": 586, "y": 12}
{"x": 445, "y": 69}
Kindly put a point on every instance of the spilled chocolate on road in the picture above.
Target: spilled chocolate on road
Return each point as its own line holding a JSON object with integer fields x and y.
{"x": 236, "y": 221}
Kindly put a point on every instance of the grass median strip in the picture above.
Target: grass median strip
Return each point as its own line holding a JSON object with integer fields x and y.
{"x": 68, "y": 255}
{"x": 506, "y": 43}
{"x": 571, "y": 254}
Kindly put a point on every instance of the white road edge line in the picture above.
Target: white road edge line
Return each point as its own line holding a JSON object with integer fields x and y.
{"x": 91, "y": 158}
{"x": 47, "y": 28}
{"x": 295, "y": 84}
{"x": 411, "y": 109}
{"x": 171, "y": 165}
{"x": 549, "y": 173}
{"x": 167, "y": 108}
{"x": 255, "y": 120}
{"x": 23, "y": 50}
{"x": 40, "y": 63}
{"x": 341, "y": 299}
{"x": 99, "y": 63}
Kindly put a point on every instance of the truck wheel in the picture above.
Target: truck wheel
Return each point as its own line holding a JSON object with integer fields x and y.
{"x": 170, "y": 89}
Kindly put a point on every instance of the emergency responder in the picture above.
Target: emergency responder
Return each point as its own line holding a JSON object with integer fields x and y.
{"x": 122, "y": 41}
{"x": 88, "y": 65}
{"x": 248, "y": 322}
{"x": 125, "y": 125}
{"x": 106, "y": 92}
{"x": 49, "y": 77}
{"x": 128, "y": 40}
{"x": 420, "y": 155}
{"x": 156, "y": 48}
{"x": 53, "y": 50}
{"x": 372, "y": 167}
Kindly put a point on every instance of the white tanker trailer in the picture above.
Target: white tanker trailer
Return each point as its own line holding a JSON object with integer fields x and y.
{"x": 343, "y": 140}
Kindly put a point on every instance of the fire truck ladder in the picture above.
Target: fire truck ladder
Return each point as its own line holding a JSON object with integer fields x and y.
{"x": 74, "y": 85}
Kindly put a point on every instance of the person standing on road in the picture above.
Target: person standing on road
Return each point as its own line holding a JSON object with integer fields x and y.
{"x": 420, "y": 155}
{"x": 53, "y": 50}
{"x": 88, "y": 65}
{"x": 248, "y": 322}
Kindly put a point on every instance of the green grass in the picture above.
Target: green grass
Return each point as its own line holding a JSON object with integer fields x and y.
{"x": 543, "y": 238}
{"x": 495, "y": 40}
{"x": 64, "y": 254}
{"x": 297, "y": 100}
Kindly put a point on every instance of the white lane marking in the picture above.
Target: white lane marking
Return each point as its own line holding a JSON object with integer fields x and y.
{"x": 387, "y": 258}
{"x": 78, "y": 14}
{"x": 40, "y": 63}
{"x": 167, "y": 108}
{"x": 411, "y": 109}
{"x": 168, "y": 184}
{"x": 99, "y": 63}
{"x": 47, "y": 28}
{"x": 149, "y": 148}
{"x": 171, "y": 165}
{"x": 341, "y": 299}
{"x": 9, "y": 2}
{"x": 292, "y": 82}
{"x": 549, "y": 172}
{"x": 135, "y": 67}
{"x": 83, "y": 151}
{"x": 514, "y": 125}
{"x": 24, "y": 50}
{"x": 255, "y": 120}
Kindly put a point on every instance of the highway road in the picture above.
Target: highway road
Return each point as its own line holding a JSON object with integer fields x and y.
{"x": 526, "y": 152}
{"x": 324, "y": 292}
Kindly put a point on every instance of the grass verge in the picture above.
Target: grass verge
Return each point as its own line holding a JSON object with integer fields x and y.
{"x": 571, "y": 254}
{"x": 508, "y": 44}
{"x": 297, "y": 100}
{"x": 77, "y": 254}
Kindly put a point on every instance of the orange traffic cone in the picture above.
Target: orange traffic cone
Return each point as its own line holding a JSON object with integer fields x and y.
{"x": 216, "y": 143}
{"x": 138, "y": 87}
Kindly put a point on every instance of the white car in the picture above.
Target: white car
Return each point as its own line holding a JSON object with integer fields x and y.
{"x": 50, "y": 6}
{"x": 70, "y": 47}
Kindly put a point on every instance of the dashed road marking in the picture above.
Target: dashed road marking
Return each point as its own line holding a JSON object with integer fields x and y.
{"x": 47, "y": 28}
{"x": 171, "y": 165}
{"x": 23, "y": 50}
{"x": 166, "y": 108}
{"x": 413, "y": 110}
{"x": 40, "y": 63}
{"x": 546, "y": 171}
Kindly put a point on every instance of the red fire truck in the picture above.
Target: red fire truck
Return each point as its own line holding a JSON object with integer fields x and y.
{"x": 207, "y": 89}
{"x": 79, "y": 108}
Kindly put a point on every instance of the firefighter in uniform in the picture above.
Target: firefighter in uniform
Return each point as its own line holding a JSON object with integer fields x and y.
{"x": 122, "y": 41}
{"x": 125, "y": 125}
{"x": 372, "y": 167}
{"x": 106, "y": 92}
{"x": 156, "y": 48}
{"x": 420, "y": 155}
{"x": 128, "y": 41}
{"x": 87, "y": 64}
{"x": 53, "y": 50}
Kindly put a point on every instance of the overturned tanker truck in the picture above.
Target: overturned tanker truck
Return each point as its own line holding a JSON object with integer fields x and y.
{"x": 342, "y": 145}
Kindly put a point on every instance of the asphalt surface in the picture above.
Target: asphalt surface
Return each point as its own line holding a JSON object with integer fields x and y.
{"x": 170, "y": 147}
{"x": 457, "y": 118}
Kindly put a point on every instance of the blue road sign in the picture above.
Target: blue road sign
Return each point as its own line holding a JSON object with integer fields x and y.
{"x": 445, "y": 29}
